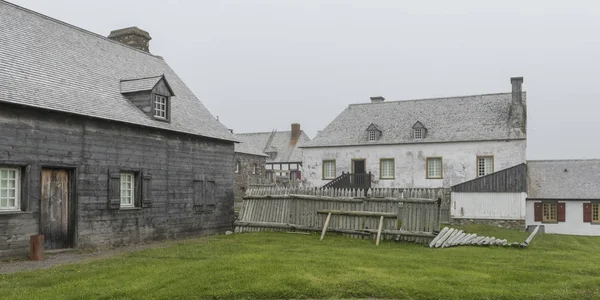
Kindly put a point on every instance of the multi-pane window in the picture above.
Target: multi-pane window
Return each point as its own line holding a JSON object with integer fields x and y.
{"x": 9, "y": 189}
{"x": 595, "y": 212}
{"x": 387, "y": 168}
{"x": 372, "y": 135}
{"x": 329, "y": 169}
{"x": 237, "y": 166}
{"x": 549, "y": 212}
{"x": 127, "y": 189}
{"x": 418, "y": 133}
{"x": 434, "y": 167}
{"x": 485, "y": 165}
{"x": 160, "y": 106}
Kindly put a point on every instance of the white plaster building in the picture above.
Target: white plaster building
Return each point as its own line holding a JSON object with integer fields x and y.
{"x": 564, "y": 196}
{"x": 426, "y": 143}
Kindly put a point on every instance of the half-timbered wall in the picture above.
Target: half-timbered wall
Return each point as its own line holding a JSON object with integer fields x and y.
{"x": 177, "y": 164}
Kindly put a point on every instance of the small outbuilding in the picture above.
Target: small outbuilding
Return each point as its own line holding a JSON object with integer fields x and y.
{"x": 564, "y": 196}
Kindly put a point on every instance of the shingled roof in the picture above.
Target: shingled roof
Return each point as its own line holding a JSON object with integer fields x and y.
{"x": 280, "y": 143}
{"x": 466, "y": 118}
{"x": 563, "y": 179}
{"x": 48, "y": 64}
{"x": 246, "y": 147}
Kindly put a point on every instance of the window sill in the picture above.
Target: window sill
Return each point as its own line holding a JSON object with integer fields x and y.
{"x": 13, "y": 212}
{"x": 387, "y": 178}
{"x": 549, "y": 222}
{"x": 327, "y": 178}
{"x": 434, "y": 177}
{"x": 130, "y": 208}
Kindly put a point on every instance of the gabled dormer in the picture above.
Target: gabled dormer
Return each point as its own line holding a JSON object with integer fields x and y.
{"x": 419, "y": 131}
{"x": 152, "y": 95}
{"x": 373, "y": 133}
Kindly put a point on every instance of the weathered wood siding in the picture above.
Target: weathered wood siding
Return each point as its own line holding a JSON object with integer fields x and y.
{"x": 32, "y": 139}
{"x": 511, "y": 180}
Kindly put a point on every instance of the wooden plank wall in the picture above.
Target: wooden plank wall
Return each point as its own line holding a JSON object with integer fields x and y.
{"x": 417, "y": 211}
{"x": 511, "y": 180}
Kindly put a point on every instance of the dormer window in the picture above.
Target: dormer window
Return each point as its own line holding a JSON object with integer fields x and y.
{"x": 152, "y": 95}
{"x": 160, "y": 107}
{"x": 373, "y": 133}
{"x": 419, "y": 131}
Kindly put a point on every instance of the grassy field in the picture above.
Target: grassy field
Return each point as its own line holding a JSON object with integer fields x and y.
{"x": 283, "y": 265}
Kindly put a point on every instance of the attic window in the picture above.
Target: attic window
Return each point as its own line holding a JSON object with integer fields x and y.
{"x": 418, "y": 132}
{"x": 161, "y": 107}
{"x": 372, "y": 135}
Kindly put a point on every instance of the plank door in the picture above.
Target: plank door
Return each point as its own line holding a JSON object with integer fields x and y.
{"x": 54, "y": 208}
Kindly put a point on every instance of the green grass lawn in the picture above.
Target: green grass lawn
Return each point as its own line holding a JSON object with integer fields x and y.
{"x": 283, "y": 265}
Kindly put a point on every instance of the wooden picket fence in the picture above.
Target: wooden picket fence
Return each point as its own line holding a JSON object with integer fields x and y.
{"x": 408, "y": 214}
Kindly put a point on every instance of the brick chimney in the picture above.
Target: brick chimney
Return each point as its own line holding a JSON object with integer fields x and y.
{"x": 132, "y": 37}
{"x": 377, "y": 99}
{"x": 295, "y": 133}
{"x": 518, "y": 110}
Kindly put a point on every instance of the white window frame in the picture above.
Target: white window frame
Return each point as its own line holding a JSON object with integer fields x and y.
{"x": 485, "y": 165}
{"x": 254, "y": 169}
{"x": 237, "y": 167}
{"x": 127, "y": 200}
{"x": 418, "y": 133}
{"x": 5, "y": 192}
{"x": 372, "y": 135}
{"x": 387, "y": 171}
{"x": 329, "y": 171}
{"x": 434, "y": 168}
{"x": 160, "y": 107}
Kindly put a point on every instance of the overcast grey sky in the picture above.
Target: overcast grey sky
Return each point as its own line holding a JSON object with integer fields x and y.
{"x": 261, "y": 65}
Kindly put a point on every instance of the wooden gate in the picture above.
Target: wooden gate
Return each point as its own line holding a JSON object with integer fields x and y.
{"x": 54, "y": 208}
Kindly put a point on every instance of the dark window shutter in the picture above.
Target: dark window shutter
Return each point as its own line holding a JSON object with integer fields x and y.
{"x": 299, "y": 175}
{"x": 587, "y": 213}
{"x": 561, "y": 211}
{"x": 146, "y": 190}
{"x": 211, "y": 200}
{"x": 538, "y": 212}
{"x": 114, "y": 189}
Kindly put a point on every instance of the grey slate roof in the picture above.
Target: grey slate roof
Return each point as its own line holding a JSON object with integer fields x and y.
{"x": 563, "y": 179}
{"x": 49, "y": 64}
{"x": 137, "y": 85}
{"x": 247, "y": 147}
{"x": 280, "y": 143}
{"x": 466, "y": 118}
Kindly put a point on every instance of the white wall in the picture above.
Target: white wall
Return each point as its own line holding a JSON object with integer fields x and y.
{"x": 573, "y": 220}
{"x": 459, "y": 161}
{"x": 498, "y": 206}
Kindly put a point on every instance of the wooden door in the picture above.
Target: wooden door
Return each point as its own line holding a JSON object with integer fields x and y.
{"x": 54, "y": 208}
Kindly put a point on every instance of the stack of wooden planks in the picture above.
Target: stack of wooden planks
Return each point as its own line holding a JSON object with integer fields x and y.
{"x": 450, "y": 237}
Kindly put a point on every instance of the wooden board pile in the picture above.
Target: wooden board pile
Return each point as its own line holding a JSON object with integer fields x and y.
{"x": 450, "y": 237}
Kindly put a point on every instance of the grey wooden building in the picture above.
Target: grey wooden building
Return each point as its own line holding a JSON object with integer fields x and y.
{"x": 101, "y": 143}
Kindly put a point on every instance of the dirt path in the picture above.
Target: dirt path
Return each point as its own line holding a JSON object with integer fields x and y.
{"x": 71, "y": 257}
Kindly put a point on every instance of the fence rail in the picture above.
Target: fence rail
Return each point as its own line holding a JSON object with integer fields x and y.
{"x": 411, "y": 214}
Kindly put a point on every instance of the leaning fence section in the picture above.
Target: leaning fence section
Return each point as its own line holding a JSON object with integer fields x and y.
{"x": 405, "y": 214}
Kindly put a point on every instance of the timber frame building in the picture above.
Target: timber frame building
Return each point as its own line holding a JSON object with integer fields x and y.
{"x": 101, "y": 143}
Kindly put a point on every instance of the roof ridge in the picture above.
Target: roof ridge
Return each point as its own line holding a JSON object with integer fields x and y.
{"x": 265, "y": 132}
{"x": 560, "y": 160}
{"x": 428, "y": 99}
{"x": 75, "y": 27}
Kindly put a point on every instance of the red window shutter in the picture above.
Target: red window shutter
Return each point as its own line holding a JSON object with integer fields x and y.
{"x": 300, "y": 178}
{"x": 561, "y": 211}
{"x": 587, "y": 213}
{"x": 537, "y": 212}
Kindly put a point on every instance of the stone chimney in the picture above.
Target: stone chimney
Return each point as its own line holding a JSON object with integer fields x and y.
{"x": 377, "y": 99}
{"x": 518, "y": 111}
{"x": 132, "y": 37}
{"x": 295, "y": 133}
